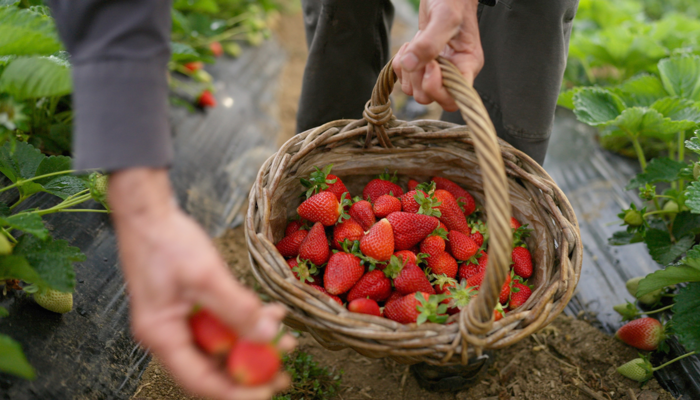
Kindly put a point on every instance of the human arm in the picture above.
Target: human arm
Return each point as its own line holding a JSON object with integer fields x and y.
{"x": 448, "y": 28}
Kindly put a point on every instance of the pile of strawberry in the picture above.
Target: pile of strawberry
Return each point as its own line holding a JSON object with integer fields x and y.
{"x": 411, "y": 257}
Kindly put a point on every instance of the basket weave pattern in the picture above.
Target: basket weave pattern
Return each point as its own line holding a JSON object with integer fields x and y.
{"x": 500, "y": 177}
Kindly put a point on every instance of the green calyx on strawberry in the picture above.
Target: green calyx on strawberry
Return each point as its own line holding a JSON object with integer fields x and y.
{"x": 425, "y": 197}
{"x": 305, "y": 270}
{"x": 520, "y": 234}
{"x": 460, "y": 295}
{"x": 97, "y": 183}
{"x": 394, "y": 267}
{"x": 648, "y": 192}
{"x": 628, "y": 311}
{"x": 431, "y": 309}
{"x": 322, "y": 180}
{"x": 441, "y": 282}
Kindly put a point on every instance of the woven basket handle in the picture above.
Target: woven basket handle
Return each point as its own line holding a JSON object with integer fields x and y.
{"x": 479, "y": 316}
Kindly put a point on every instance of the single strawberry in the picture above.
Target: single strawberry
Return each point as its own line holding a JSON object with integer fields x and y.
{"x": 383, "y": 184}
{"x": 374, "y": 285}
{"x": 499, "y": 312}
{"x": 410, "y": 229}
{"x": 407, "y": 256}
{"x": 342, "y": 272}
{"x": 365, "y": 306}
{"x": 433, "y": 245}
{"x": 289, "y": 246}
{"x": 443, "y": 264}
{"x": 324, "y": 291}
{"x": 206, "y": 99}
{"x": 475, "y": 281}
{"x": 477, "y": 237}
{"x": 216, "y": 49}
{"x": 293, "y": 226}
{"x": 409, "y": 203}
{"x": 408, "y": 278}
{"x": 194, "y": 66}
{"x": 522, "y": 262}
{"x": 519, "y": 293}
{"x": 210, "y": 334}
{"x": 461, "y": 196}
{"x": 461, "y": 246}
{"x": 385, "y": 205}
{"x": 505, "y": 290}
{"x": 347, "y": 230}
{"x": 337, "y": 187}
{"x": 361, "y": 211}
{"x": 416, "y": 307}
{"x": 451, "y": 214}
{"x": 639, "y": 369}
{"x": 393, "y": 297}
{"x": 643, "y": 333}
{"x": 321, "y": 180}
{"x": 315, "y": 246}
{"x": 474, "y": 266}
{"x": 412, "y": 183}
{"x": 324, "y": 208}
{"x": 443, "y": 227}
{"x": 378, "y": 242}
{"x": 458, "y": 296}
{"x": 252, "y": 363}
{"x": 304, "y": 270}
{"x": 53, "y": 300}
{"x": 442, "y": 282}
{"x": 514, "y": 223}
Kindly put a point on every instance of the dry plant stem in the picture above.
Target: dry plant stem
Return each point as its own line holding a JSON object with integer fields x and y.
{"x": 631, "y": 395}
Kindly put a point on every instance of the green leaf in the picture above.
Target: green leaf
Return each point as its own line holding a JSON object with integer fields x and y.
{"x": 686, "y": 316}
{"x": 679, "y": 110}
{"x": 19, "y": 161}
{"x": 26, "y": 222}
{"x": 8, "y": 2}
{"x": 681, "y": 76}
{"x": 692, "y": 197}
{"x": 693, "y": 143}
{"x": 17, "y": 267}
{"x": 641, "y": 90}
{"x": 597, "y": 106}
{"x": 4, "y": 312}
{"x": 33, "y": 77}
{"x": 205, "y": 6}
{"x": 686, "y": 223}
{"x": 566, "y": 98}
{"x": 621, "y": 238}
{"x": 649, "y": 122}
{"x": 12, "y": 359}
{"x": 24, "y": 32}
{"x": 661, "y": 169}
{"x": 52, "y": 259}
{"x": 671, "y": 275}
{"x": 181, "y": 52}
{"x": 662, "y": 249}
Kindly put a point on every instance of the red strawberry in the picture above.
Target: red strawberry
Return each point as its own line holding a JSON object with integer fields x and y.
{"x": 471, "y": 268}
{"x": 253, "y": 364}
{"x": 442, "y": 283}
{"x": 461, "y": 195}
{"x": 410, "y": 229}
{"x": 499, "y": 312}
{"x": 385, "y": 205}
{"x": 514, "y": 223}
{"x": 412, "y": 183}
{"x": 302, "y": 270}
{"x": 393, "y": 297}
{"x": 416, "y": 307}
{"x": 315, "y": 246}
{"x": 206, "y": 99}
{"x": 477, "y": 237}
{"x": 365, "y": 306}
{"x": 505, "y": 291}
{"x": 289, "y": 246}
{"x": 321, "y": 180}
{"x": 362, "y": 212}
{"x": 443, "y": 227}
{"x": 519, "y": 293}
{"x": 373, "y": 284}
{"x": 433, "y": 246}
{"x": 643, "y": 333}
{"x": 451, "y": 214}
{"x": 210, "y": 334}
{"x": 216, "y": 49}
{"x": 324, "y": 291}
{"x": 522, "y": 262}
{"x": 346, "y": 230}
{"x": 407, "y": 256}
{"x": 293, "y": 226}
{"x": 408, "y": 278}
{"x": 476, "y": 280}
{"x": 194, "y": 66}
{"x": 461, "y": 246}
{"x": 378, "y": 242}
{"x": 384, "y": 184}
{"x": 409, "y": 203}
{"x": 337, "y": 187}
{"x": 342, "y": 272}
{"x": 443, "y": 264}
{"x": 322, "y": 207}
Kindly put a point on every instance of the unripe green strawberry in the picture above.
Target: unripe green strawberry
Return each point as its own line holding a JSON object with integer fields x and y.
{"x": 233, "y": 49}
{"x": 649, "y": 298}
{"x": 5, "y": 246}
{"x": 671, "y": 207}
{"x": 202, "y": 76}
{"x": 633, "y": 218}
{"x": 53, "y": 300}
{"x": 639, "y": 370}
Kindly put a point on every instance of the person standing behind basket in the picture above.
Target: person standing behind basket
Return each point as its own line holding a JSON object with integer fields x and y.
{"x": 521, "y": 44}
{"x": 119, "y": 51}
{"x": 513, "y": 52}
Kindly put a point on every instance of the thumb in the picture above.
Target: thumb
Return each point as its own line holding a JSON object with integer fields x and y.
{"x": 428, "y": 43}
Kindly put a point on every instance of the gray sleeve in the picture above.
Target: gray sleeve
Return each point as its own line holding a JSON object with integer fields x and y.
{"x": 119, "y": 51}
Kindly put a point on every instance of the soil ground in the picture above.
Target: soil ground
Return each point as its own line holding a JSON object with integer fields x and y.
{"x": 570, "y": 359}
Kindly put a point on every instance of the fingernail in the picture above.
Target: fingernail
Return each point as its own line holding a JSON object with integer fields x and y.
{"x": 409, "y": 62}
{"x": 428, "y": 71}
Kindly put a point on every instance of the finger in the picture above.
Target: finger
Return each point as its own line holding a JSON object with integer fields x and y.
{"x": 287, "y": 344}
{"x": 443, "y": 25}
{"x": 265, "y": 392}
{"x": 432, "y": 86}
{"x": 416, "y": 78}
{"x": 396, "y": 63}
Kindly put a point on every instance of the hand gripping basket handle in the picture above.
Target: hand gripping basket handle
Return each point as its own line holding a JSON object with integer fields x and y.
{"x": 479, "y": 316}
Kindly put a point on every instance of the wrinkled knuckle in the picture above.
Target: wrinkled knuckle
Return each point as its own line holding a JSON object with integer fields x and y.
{"x": 425, "y": 49}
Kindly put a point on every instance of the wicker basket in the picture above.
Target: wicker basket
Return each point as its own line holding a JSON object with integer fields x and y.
{"x": 500, "y": 177}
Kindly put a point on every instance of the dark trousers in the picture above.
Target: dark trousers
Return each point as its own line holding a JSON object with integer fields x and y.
{"x": 525, "y": 46}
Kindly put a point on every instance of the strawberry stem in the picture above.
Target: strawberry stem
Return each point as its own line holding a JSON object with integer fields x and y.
{"x": 674, "y": 360}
